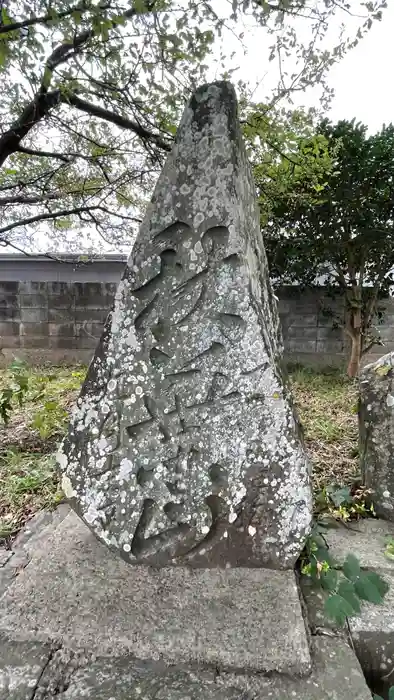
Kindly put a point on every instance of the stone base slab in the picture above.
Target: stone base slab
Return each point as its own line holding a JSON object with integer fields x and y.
{"x": 76, "y": 592}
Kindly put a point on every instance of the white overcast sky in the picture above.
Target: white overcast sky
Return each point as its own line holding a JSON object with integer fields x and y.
{"x": 362, "y": 83}
{"x": 361, "y": 80}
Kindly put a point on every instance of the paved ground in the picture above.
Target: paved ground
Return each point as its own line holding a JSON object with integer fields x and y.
{"x": 77, "y": 623}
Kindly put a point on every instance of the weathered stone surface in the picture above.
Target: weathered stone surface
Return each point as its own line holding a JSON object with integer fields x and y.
{"x": 336, "y": 676}
{"x": 76, "y": 592}
{"x": 377, "y": 432}
{"x": 21, "y": 666}
{"x": 184, "y": 447}
{"x": 366, "y": 539}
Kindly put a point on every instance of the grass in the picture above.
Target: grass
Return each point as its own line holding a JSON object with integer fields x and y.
{"x": 326, "y": 402}
{"x": 28, "y": 481}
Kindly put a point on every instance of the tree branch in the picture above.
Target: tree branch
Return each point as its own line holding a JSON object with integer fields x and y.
{"x": 63, "y": 212}
{"x": 44, "y": 19}
{"x": 31, "y": 115}
{"x": 123, "y": 122}
{"x": 43, "y": 154}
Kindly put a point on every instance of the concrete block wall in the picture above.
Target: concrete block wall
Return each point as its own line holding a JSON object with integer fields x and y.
{"x": 53, "y": 320}
{"x": 51, "y": 311}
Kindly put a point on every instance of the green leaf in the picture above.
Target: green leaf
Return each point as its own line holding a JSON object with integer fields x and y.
{"x": 377, "y": 581}
{"x": 367, "y": 590}
{"x": 377, "y": 697}
{"x": 347, "y": 590}
{"x": 329, "y": 579}
{"x": 351, "y": 567}
{"x": 338, "y": 609}
{"x": 340, "y": 496}
{"x": 391, "y": 693}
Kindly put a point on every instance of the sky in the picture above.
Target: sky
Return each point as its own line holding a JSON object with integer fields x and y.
{"x": 362, "y": 81}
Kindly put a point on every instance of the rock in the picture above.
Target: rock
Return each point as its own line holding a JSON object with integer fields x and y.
{"x": 376, "y": 419}
{"x": 184, "y": 447}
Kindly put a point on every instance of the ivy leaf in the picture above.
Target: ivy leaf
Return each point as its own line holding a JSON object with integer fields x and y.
{"x": 338, "y": 609}
{"x": 351, "y": 567}
{"x": 391, "y": 693}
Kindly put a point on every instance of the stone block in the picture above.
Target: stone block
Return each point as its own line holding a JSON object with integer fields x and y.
{"x": 34, "y": 342}
{"x": 34, "y": 315}
{"x": 33, "y": 301}
{"x": 86, "y": 341}
{"x": 64, "y": 300}
{"x": 366, "y": 540}
{"x": 336, "y": 675}
{"x": 10, "y": 341}
{"x": 88, "y": 329}
{"x": 376, "y": 422}
{"x": 33, "y": 288}
{"x": 330, "y": 346}
{"x": 386, "y": 333}
{"x": 33, "y": 329}
{"x": 9, "y": 328}
{"x": 372, "y": 631}
{"x": 98, "y": 315}
{"x": 9, "y": 308}
{"x": 307, "y": 333}
{"x": 210, "y": 467}
{"x": 60, "y": 288}
{"x": 299, "y": 345}
{"x": 60, "y": 316}
{"x": 93, "y": 294}
{"x": 9, "y": 289}
{"x": 303, "y": 321}
{"x": 325, "y": 333}
{"x": 63, "y": 343}
{"x": 21, "y": 666}
{"x": 77, "y": 593}
{"x": 66, "y": 330}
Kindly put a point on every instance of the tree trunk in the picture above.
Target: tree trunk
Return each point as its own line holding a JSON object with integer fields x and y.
{"x": 353, "y": 367}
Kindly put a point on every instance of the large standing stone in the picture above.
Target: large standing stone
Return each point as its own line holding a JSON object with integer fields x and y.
{"x": 184, "y": 448}
{"x": 376, "y": 420}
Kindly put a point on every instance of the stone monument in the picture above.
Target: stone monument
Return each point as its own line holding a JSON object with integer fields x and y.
{"x": 184, "y": 447}
{"x": 376, "y": 422}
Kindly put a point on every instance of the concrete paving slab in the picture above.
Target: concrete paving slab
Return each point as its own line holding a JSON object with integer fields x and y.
{"x": 336, "y": 676}
{"x": 74, "y": 590}
{"x": 21, "y": 667}
{"x": 366, "y": 539}
{"x": 372, "y": 632}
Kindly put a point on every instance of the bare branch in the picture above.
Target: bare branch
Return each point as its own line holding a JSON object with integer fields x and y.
{"x": 123, "y": 122}
{"x": 43, "y": 154}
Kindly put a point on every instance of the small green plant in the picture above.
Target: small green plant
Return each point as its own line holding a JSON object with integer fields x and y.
{"x": 16, "y": 391}
{"x": 344, "y": 503}
{"x": 389, "y": 549}
{"x": 50, "y": 420}
{"x": 344, "y": 585}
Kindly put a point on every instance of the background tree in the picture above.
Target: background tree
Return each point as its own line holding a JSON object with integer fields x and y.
{"x": 346, "y": 234}
{"x": 92, "y": 92}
